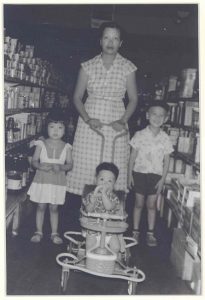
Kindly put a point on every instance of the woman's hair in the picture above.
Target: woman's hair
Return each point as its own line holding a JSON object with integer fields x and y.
{"x": 111, "y": 25}
{"x": 108, "y": 167}
{"x": 56, "y": 116}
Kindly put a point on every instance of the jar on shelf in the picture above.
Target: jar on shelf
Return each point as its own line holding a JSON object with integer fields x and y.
{"x": 14, "y": 174}
{"x": 187, "y": 82}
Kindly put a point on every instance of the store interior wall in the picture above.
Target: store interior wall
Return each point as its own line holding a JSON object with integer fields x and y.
{"x": 160, "y": 39}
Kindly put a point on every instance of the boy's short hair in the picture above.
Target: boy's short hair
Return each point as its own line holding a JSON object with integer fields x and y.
{"x": 107, "y": 166}
{"x": 158, "y": 103}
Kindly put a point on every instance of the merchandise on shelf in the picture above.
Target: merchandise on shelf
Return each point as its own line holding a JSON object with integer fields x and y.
{"x": 17, "y": 170}
{"x": 188, "y": 77}
{"x": 21, "y": 64}
{"x": 23, "y": 125}
{"x": 189, "y": 106}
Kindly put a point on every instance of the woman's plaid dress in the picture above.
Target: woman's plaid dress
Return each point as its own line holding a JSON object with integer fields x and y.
{"x": 106, "y": 90}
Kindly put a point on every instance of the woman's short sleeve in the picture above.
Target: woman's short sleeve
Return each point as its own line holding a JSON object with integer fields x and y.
{"x": 130, "y": 67}
{"x": 85, "y": 65}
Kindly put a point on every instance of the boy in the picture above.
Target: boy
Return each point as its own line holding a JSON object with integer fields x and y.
{"x": 104, "y": 200}
{"x": 148, "y": 167}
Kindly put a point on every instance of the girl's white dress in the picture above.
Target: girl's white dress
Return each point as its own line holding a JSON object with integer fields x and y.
{"x": 106, "y": 90}
{"x": 49, "y": 187}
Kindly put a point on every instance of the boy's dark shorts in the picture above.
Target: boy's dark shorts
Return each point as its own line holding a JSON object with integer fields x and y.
{"x": 144, "y": 183}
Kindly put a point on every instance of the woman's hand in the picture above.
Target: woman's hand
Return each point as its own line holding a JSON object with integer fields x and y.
{"x": 94, "y": 124}
{"x": 118, "y": 125}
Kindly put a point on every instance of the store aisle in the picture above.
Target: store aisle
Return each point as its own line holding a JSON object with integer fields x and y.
{"x": 32, "y": 268}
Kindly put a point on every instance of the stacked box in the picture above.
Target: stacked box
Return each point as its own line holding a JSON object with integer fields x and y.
{"x": 186, "y": 218}
{"x": 195, "y": 232}
{"x": 177, "y": 255}
{"x": 187, "y": 193}
{"x": 182, "y": 261}
{"x": 195, "y": 283}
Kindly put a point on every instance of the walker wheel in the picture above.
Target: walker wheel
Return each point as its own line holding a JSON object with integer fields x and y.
{"x": 132, "y": 288}
{"x": 64, "y": 280}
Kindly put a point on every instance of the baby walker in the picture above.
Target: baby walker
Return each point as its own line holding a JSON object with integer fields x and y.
{"x": 100, "y": 260}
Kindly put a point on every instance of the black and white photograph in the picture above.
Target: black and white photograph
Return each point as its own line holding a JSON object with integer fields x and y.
{"x": 101, "y": 148}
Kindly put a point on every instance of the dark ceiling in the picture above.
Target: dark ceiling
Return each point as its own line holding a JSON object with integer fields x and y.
{"x": 161, "y": 39}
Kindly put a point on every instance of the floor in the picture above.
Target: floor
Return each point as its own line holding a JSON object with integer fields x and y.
{"x": 32, "y": 268}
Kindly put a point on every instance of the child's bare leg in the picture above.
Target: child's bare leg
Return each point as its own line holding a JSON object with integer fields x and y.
{"x": 151, "y": 211}
{"x": 40, "y": 213}
{"x": 91, "y": 241}
{"x": 53, "y": 208}
{"x": 151, "y": 216}
{"x": 114, "y": 244}
{"x": 139, "y": 203}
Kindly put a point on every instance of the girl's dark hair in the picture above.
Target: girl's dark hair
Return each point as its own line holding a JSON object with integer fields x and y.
{"x": 56, "y": 115}
{"x": 108, "y": 167}
{"x": 111, "y": 25}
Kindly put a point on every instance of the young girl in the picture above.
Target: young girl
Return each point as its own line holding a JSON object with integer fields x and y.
{"x": 52, "y": 159}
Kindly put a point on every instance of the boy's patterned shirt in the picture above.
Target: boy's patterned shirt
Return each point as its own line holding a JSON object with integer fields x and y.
{"x": 151, "y": 150}
{"x": 98, "y": 206}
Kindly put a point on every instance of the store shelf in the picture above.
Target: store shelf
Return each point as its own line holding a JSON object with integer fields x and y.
{"x": 181, "y": 126}
{"x": 18, "y": 82}
{"x": 187, "y": 158}
{"x": 17, "y": 144}
{"x": 14, "y": 201}
{"x": 26, "y": 110}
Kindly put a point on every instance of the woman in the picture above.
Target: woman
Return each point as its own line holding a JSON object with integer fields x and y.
{"x": 106, "y": 77}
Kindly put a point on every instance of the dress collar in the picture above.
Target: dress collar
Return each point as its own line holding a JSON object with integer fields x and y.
{"x": 151, "y": 133}
{"x": 115, "y": 61}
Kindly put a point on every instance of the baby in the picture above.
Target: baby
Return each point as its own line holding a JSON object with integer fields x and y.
{"x": 104, "y": 200}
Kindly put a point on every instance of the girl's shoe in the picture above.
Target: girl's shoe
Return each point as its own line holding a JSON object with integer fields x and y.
{"x": 37, "y": 237}
{"x": 56, "y": 239}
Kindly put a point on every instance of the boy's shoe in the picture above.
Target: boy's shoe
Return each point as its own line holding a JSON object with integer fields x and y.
{"x": 56, "y": 239}
{"x": 151, "y": 240}
{"x": 136, "y": 235}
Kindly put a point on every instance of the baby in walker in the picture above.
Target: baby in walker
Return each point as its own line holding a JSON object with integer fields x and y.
{"x": 104, "y": 200}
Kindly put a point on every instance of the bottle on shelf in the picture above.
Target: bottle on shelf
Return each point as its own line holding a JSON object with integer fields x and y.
{"x": 10, "y": 130}
{"x": 14, "y": 174}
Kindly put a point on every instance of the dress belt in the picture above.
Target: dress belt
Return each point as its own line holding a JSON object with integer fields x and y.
{"x": 93, "y": 96}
